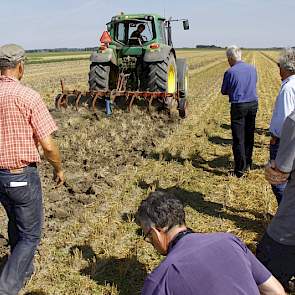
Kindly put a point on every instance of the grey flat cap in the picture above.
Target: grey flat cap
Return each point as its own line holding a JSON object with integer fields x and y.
{"x": 12, "y": 53}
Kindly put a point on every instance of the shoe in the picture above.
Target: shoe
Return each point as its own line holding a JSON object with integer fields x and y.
{"x": 248, "y": 167}
{"x": 237, "y": 174}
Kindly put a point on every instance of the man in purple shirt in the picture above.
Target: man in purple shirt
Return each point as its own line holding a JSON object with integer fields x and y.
{"x": 198, "y": 264}
{"x": 239, "y": 83}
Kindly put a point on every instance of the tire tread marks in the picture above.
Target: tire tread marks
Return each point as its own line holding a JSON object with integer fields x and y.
{"x": 158, "y": 76}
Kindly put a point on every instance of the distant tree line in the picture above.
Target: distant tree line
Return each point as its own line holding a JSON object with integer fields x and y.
{"x": 219, "y": 47}
{"x": 62, "y": 49}
{"x": 208, "y": 46}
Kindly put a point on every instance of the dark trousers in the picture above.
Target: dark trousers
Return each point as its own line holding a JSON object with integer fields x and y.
{"x": 243, "y": 126}
{"x": 277, "y": 189}
{"x": 21, "y": 196}
{"x": 279, "y": 259}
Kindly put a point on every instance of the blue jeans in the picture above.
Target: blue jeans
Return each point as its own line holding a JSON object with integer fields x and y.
{"x": 279, "y": 259}
{"x": 21, "y": 196}
{"x": 277, "y": 189}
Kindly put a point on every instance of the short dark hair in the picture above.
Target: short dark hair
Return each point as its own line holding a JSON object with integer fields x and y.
{"x": 141, "y": 26}
{"x": 161, "y": 209}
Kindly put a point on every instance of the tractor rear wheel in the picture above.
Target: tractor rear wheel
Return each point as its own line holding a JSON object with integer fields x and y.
{"x": 162, "y": 76}
{"x": 99, "y": 75}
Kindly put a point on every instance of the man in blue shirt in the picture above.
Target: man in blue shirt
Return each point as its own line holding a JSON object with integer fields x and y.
{"x": 198, "y": 263}
{"x": 285, "y": 104}
{"x": 239, "y": 83}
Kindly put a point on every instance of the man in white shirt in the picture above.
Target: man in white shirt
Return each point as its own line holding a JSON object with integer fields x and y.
{"x": 285, "y": 104}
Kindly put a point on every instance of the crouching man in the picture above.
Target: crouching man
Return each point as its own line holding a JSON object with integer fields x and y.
{"x": 204, "y": 264}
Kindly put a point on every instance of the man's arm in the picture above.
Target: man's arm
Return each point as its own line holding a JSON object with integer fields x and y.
{"x": 278, "y": 171}
{"x": 285, "y": 104}
{"x": 286, "y": 153}
{"x": 273, "y": 175}
{"x": 52, "y": 154}
{"x": 271, "y": 287}
{"x": 225, "y": 84}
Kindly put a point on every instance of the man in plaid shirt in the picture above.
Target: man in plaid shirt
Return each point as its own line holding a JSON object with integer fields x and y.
{"x": 25, "y": 122}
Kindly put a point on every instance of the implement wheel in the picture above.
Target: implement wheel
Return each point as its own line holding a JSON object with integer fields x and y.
{"x": 182, "y": 77}
{"x": 182, "y": 107}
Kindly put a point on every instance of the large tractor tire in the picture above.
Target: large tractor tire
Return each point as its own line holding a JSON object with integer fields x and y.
{"x": 162, "y": 76}
{"x": 99, "y": 76}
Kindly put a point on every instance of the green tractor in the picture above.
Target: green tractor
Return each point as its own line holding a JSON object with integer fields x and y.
{"x": 136, "y": 54}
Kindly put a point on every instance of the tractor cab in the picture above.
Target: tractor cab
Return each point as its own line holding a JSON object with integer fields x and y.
{"x": 137, "y": 30}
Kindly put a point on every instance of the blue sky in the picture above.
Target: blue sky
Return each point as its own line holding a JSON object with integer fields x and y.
{"x": 79, "y": 23}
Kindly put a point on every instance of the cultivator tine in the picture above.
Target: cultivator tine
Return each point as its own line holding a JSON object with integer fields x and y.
{"x": 78, "y": 100}
{"x": 150, "y": 101}
{"x": 131, "y": 102}
{"x": 62, "y": 86}
{"x": 94, "y": 101}
{"x": 62, "y": 101}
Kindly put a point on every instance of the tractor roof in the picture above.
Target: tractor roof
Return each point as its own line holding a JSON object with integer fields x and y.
{"x": 124, "y": 16}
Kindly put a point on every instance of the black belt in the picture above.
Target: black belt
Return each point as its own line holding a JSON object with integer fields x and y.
{"x": 19, "y": 170}
{"x": 34, "y": 164}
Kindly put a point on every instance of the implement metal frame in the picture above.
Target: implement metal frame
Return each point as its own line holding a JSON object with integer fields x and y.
{"x": 164, "y": 97}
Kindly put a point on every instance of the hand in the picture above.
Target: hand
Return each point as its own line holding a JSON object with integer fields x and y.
{"x": 59, "y": 177}
{"x": 273, "y": 175}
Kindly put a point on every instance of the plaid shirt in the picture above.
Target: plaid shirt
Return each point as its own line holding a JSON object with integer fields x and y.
{"x": 24, "y": 120}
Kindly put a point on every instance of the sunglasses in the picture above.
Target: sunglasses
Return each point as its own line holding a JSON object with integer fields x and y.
{"x": 146, "y": 236}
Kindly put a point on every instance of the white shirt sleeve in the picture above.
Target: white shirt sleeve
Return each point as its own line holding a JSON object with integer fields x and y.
{"x": 285, "y": 104}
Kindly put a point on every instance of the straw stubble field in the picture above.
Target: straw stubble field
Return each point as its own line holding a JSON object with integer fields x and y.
{"x": 91, "y": 244}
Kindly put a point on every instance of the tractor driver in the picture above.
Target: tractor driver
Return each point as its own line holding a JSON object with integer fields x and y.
{"x": 137, "y": 32}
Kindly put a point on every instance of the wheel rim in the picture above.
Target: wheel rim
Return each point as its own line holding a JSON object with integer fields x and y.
{"x": 171, "y": 79}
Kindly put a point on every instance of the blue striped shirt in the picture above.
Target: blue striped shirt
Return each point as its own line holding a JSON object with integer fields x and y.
{"x": 284, "y": 106}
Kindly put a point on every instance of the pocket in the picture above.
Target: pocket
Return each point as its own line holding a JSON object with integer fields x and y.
{"x": 16, "y": 180}
{"x": 18, "y": 188}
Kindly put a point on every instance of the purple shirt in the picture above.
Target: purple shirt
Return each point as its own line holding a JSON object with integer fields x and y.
{"x": 239, "y": 83}
{"x": 207, "y": 264}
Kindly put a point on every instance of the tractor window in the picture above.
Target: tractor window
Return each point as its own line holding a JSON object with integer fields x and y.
{"x": 121, "y": 32}
{"x": 162, "y": 31}
{"x": 127, "y": 32}
{"x": 147, "y": 34}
